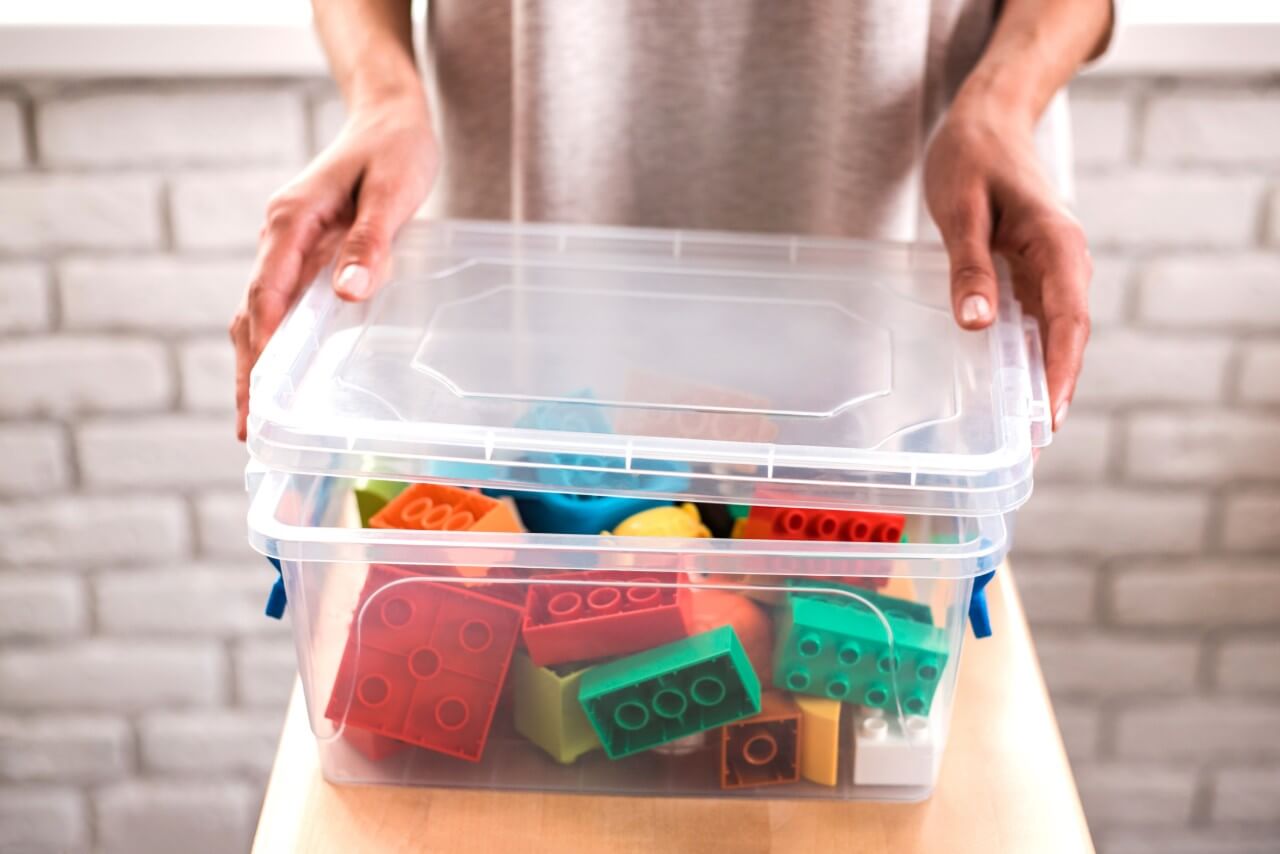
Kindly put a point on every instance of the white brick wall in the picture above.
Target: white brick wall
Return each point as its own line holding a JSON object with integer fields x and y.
{"x": 1213, "y": 127}
{"x": 172, "y": 128}
{"x": 192, "y": 817}
{"x": 62, "y": 375}
{"x": 222, "y": 209}
{"x": 153, "y": 294}
{"x": 42, "y": 818}
{"x": 1260, "y": 373}
{"x": 141, "y": 689}
{"x": 13, "y": 142}
{"x": 163, "y": 451}
{"x": 1152, "y": 577}
{"x": 40, "y": 211}
{"x": 35, "y": 458}
{"x": 1163, "y": 207}
{"x": 1249, "y": 665}
{"x": 1206, "y": 291}
{"x": 24, "y": 298}
{"x": 70, "y": 748}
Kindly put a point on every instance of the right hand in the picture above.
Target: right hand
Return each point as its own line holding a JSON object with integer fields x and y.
{"x": 345, "y": 207}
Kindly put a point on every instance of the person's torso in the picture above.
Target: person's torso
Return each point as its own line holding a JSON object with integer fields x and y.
{"x": 806, "y": 116}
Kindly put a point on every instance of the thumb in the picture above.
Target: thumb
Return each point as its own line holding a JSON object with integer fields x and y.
{"x": 967, "y": 236}
{"x": 361, "y": 263}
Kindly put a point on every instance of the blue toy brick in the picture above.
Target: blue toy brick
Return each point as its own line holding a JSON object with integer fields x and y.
{"x": 670, "y": 692}
{"x": 578, "y": 513}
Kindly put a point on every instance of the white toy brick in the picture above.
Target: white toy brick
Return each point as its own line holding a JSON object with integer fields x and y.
{"x": 892, "y": 752}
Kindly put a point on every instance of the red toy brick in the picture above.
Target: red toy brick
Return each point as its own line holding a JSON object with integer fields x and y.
{"x": 601, "y": 617}
{"x": 371, "y": 745}
{"x": 793, "y": 523}
{"x": 762, "y": 750}
{"x": 424, "y": 662}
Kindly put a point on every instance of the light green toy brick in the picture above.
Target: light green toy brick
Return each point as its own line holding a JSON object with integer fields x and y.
{"x": 373, "y": 495}
{"x": 839, "y": 649}
{"x": 547, "y": 711}
{"x": 669, "y": 692}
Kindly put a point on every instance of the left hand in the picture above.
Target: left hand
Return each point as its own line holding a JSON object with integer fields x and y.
{"x": 988, "y": 193}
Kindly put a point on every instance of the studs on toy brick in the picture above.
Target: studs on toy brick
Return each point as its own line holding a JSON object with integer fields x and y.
{"x": 396, "y": 612}
{"x": 475, "y": 636}
{"x": 809, "y": 645}
{"x": 604, "y": 600}
{"x": 708, "y": 691}
{"x": 798, "y": 680}
{"x": 643, "y": 596}
{"x": 838, "y": 687}
{"x": 858, "y": 531}
{"x": 849, "y": 653}
{"x": 373, "y": 691}
{"x": 631, "y": 715}
{"x": 791, "y": 522}
{"x": 565, "y": 605}
{"x": 452, "y": 713}
{"x": 888, "y": 663}
{"x": 927, "y": 671}
{"x": 459, "y": 522}
{"x": 424, "y": 663}
{"x": 669, "y": 703}
{"x": 876, "y": 696}
{"x": 760, "y": 749}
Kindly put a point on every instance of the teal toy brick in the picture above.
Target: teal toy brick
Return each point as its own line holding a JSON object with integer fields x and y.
{"x": 830, "y": 646}
{"x": 670, "y": 692}
{"x": 892, "y": 606}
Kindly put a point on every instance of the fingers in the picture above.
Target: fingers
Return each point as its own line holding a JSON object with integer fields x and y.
{"x": 382, "y": 206}
{"x": 1062, "y": 265}
{"x": 291, "y": 231}
{"x": 239, "y": 332}
{"x": 965, "y": 226}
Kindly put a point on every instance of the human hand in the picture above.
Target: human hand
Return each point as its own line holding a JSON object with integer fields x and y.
{"x": 988, "y": 192}
{"x": 344, "y": 207}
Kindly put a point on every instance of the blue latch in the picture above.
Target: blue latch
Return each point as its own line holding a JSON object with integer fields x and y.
{"x": 277, "y": 600}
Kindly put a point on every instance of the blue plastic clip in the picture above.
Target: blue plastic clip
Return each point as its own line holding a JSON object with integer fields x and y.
{"x": 979, "y": 616}
{"x": 277, "y": 599}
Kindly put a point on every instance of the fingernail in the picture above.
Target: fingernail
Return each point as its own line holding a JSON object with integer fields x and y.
{"x": 1060, "y": 415}
{"x": 354, "y": 281}
{"x": 974, "y": 308}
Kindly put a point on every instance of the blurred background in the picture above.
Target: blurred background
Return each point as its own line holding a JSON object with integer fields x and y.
{"x": 142, "y": 690}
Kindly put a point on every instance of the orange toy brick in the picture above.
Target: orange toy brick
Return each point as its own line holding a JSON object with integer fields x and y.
{"x": 435, "y": 507}
{"x": 705, "y": 609}
{"x": 762, "y": 750}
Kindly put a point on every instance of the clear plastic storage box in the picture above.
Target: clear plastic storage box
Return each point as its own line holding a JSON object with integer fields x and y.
{"x": 620, "y": 511}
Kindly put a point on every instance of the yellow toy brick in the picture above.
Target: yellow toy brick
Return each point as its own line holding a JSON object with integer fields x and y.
{"x": 819, "y": 738}
{"x": 682, "y": 521}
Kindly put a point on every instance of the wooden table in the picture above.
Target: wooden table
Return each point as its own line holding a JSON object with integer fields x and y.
{"x": 1005, "y": 786}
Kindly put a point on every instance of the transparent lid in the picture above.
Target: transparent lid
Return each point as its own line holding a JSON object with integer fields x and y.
{"x": 688, "y": 365}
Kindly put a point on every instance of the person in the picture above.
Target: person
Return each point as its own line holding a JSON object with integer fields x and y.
{"x": 817, "y": 117}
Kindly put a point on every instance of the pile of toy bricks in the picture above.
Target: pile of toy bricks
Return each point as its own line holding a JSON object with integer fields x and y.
{"x": 629, "y": 661}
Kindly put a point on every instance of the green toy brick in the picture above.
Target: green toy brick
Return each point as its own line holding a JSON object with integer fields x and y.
{"x": 547, "y": 711}
{"x": 373, "y": 495}
{"x": 891, "y": 606}
{"x": 831, "y": 647}
{"x": 670, "y": 692}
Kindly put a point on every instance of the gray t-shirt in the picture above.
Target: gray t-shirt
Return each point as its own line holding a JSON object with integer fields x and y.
{"x": 798, "y": 116}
